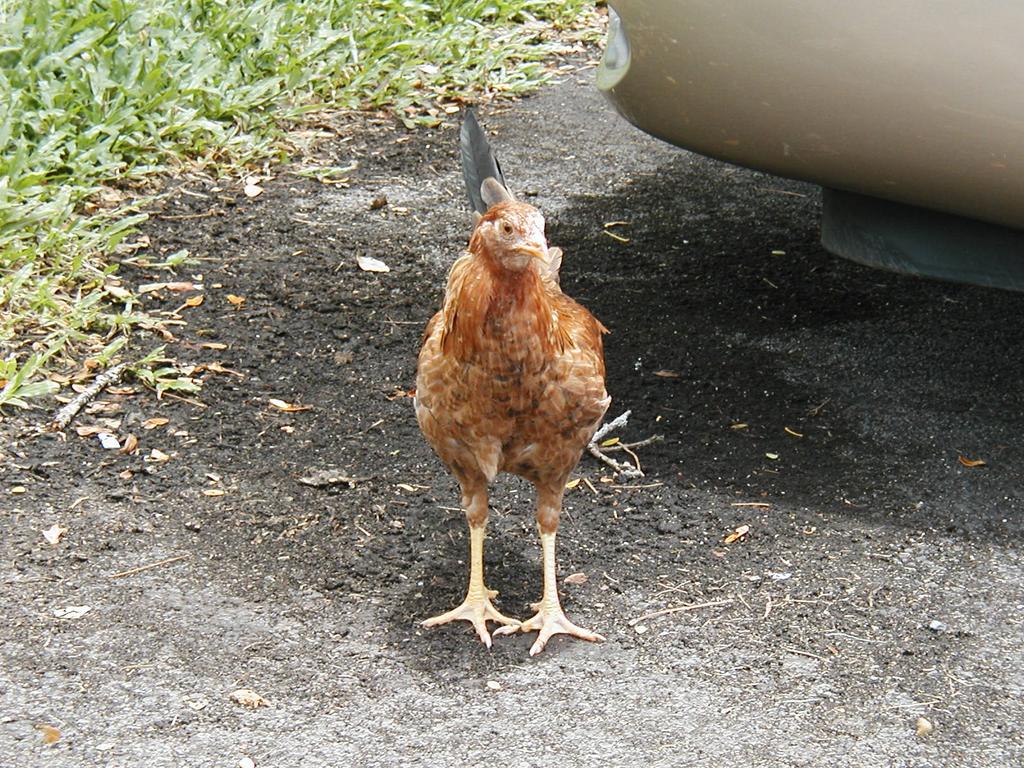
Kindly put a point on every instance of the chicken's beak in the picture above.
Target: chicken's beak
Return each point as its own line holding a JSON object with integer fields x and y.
{"x": 533, "y": 250}
{"x": 521, "y": 254}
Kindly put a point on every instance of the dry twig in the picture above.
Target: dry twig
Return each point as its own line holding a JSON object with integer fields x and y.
{"x": 621, "y": 468}
{"x": 64, "y": 416}
{"x": 148, "y": 566}
{"x": 679, "y": 609}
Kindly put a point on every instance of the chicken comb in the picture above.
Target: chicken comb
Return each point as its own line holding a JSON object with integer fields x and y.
{"x": 485, "y": 183}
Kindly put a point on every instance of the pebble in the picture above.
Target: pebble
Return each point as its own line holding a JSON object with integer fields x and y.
{"x": 924, "y": 727}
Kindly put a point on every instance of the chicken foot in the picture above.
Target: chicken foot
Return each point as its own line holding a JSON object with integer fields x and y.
{"x": 550, "y": 619}
{"x": 477, "y": 607}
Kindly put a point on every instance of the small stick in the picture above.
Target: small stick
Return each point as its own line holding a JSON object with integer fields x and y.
{"x": 141, "y": 568}
{"x": 189, "y": 400}
{"x": 816, "y": 410}
{"x": 750, "y": 504}
{"x": 64, "y": 416}
{"x": 781, "y": 191}
{"x": 678, "y": 609}
{"x": 619, "y": 421}
{"x": 637, "y": 444}
{"x": 636, "y": 459}
{"x": 620, "y": 469}
{"x": 594, "y": 450}
{"x": 808, "y": 654}
{"x": 215, "y": 211}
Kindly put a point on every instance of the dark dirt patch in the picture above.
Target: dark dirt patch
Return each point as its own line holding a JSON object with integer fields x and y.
{"x": 871, "y": 529}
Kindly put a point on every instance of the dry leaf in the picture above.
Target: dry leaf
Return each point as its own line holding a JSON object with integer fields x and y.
{"x": 400, "y": 393}
{"x": 181, "y": 286}
{"x": 90, "y": 430}
{"x": 668, "y": 374}
{"x": 156, "y": 455}
{"x": 54, "y": 533}
{"x": 178, "y": 286}
{"x": 572, "y": 484}
{"x": 236, "y": 301}
{"x": 281, "y": 405}
{"x": 971, "y": 462}
{"x": 737, "y": 534}
{"x": 131, "y": 444}
{"x": 103, "y": 406}
{"x": 213, "y": 492}
{"x": 370, "y": 264}
{"x": 197, "y": 703}
{"x": 214, "y": 344}
{"x": 321, "y": 478}
{"x": 117, "y": 292}
{"x": 576, "y": 578}
{"x": 194, "y": 301}
{"x": 218, "y": 368}
{"x": 248, "y": 698}
{"x": 50, "y": 734}
{"x": 156, "y": 421}
{"x": 71, "y": 612}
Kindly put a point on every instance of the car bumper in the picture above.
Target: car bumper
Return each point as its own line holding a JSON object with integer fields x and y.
{"x": 919, "y": 103}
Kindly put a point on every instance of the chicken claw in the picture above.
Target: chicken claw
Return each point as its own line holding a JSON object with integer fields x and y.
{"x": 550, "y": 622}
{"x": 478, "y": 611}
{"x": 550, "y": 618}
{"x": 477, "y": 608}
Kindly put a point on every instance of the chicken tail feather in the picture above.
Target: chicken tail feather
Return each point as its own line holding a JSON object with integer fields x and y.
{"x": 485, "y": 184}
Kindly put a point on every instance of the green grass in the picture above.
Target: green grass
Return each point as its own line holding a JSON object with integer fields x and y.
{"x": 97, "y": 98}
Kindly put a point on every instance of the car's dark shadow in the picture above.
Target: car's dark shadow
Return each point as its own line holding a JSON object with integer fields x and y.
{"x": 725, "y": 310}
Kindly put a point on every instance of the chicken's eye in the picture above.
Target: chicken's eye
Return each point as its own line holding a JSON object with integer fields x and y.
{"x": 506, "y": 228}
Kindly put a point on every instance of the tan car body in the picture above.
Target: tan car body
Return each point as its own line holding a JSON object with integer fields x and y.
{"x": 920, "y": 102}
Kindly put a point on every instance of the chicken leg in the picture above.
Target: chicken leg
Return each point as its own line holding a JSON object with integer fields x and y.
{"x": 477, "y": 607}
{"x": 550, "y": 619}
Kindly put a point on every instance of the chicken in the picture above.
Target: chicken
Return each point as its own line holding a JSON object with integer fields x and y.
{"x": 510, "y": 379}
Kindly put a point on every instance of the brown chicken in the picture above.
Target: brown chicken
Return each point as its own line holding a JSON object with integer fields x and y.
{"x": 510, "y": 379}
